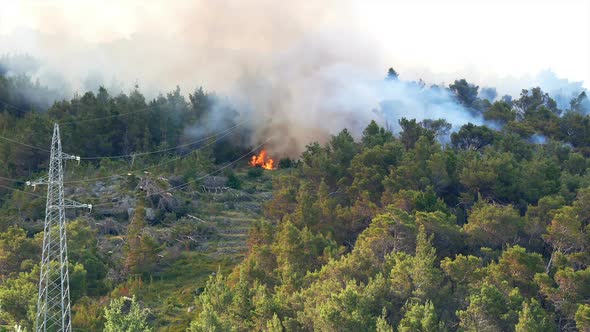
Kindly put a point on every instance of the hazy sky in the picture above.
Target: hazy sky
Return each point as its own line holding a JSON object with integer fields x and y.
{"x": 163, "y": 43}
{"x": 491, "y": 37}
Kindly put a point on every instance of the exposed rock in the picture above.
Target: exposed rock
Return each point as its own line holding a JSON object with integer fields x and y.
{"x": 150, "y": 214}
{"x": 167, "y": 202}
{"x": 114, "y": 212}
{"x": 118, "y": 208}
{"x": 215, "y": 181}
{"x": 108, "y": 226}
{"x": 215, "y": 184}
{"x": 126, "y": 202}
{"x": 176, "y": 180}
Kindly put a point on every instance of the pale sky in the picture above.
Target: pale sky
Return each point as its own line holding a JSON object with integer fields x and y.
{"x": 485, "y": 41}
{"x": 514, "y": 38}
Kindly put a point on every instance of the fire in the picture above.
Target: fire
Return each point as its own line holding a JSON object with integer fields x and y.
{"x": 262, "y": 160}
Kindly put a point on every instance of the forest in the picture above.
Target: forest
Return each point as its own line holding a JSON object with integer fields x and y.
{"x": 484, "y": 227}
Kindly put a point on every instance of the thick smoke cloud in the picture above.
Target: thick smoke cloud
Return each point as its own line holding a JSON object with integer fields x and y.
{"x": 160, "y": 45}
{"x": 296, "y": 71}
{"x": 317, "y": 88}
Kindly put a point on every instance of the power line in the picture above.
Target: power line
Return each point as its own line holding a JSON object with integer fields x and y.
{"x": 110, "y": 116}
{"x": 14, "y": 180}
{"x": 225, "y": 132}
{"x": 217, "y": 170}
{"x": 152, "y": 166}
{"x": 204, "y": 176}
{"x": 163, "y": 191}
{"x": 139, "y": 153}
{"x": 167, "y": 149}
{"x": 92, "y": 119}
{"x": 24, "y": 144}
{"x": 113, "y": 116}
{"x": 155, "y": 106}
{"x": 13, "y": 106}
{"x": 25, "y": 192}
{"x": 88, "y": 120}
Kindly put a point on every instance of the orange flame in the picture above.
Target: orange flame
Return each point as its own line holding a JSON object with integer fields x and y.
{"x": 262, "y": 160}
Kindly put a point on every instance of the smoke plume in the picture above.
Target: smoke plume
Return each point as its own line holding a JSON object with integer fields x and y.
{"x": 296, "y": 71}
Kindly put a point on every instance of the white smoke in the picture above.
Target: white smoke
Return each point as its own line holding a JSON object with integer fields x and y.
{"x": 314, "y": 90}
{"x": 298, "y": 71}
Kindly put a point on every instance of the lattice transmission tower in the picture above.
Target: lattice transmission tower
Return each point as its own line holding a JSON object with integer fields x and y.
{"x": 53, "y": 303}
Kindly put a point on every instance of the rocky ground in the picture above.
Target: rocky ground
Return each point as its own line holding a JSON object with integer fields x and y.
{"x": 201, "y": 232}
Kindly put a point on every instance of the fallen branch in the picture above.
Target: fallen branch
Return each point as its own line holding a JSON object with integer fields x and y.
{"x": 196, "y": 218}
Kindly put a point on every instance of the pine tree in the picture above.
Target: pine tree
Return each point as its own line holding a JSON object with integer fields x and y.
{"x": 533, "y": 318}
{"x": 583, "y": 317}
{"x": 382, "y": 324}
{"x": 425, "y": 276}
{"x": 274, "y": 325}
{"x": 120, "y": 319}
{"x": 140, "y": 248}
{"x": 421, "y": 317}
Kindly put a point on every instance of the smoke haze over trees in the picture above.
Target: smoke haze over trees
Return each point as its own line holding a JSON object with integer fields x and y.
{"x": 442, "y": 202}
{"x": 301, "y": 166}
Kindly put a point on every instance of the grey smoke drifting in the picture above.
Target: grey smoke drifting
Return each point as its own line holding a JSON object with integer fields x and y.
{"x": 488, "y": 93}
{"x": 297, "y": 71}
{"x": 314, "y": 90}
{"x": 286, "y": 70}
{"x": 560, "y": 89}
